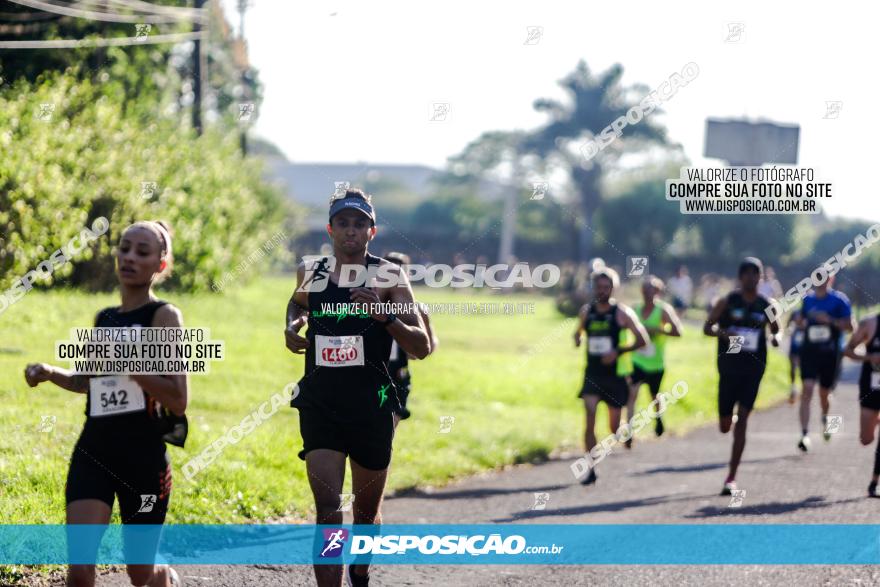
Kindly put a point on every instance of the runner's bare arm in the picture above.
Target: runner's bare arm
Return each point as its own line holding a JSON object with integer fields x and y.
{"x": 408, "y": 330}
{"x": 433, "y": 341}
{"x": 670, "y": 317}
{"x": 297, "y": 307}
{"x": 846, "y": 324}
{"x": 628, "y": 319}
{"x": 36, "y": 373}
{"x": 774, "y": 332}
{"x": 582, "y": 318}
{"x": 297, "y": 315}
{"x": 172, "y": 391}
{"x": 710, "y": 328}
{"x": 862, "y": 335}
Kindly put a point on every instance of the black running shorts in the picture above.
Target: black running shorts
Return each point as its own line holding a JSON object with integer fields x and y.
{"x": 738, "y": 386}
{"x": 614, "y": 391}
{"x": 822, "y": 366}
{"x": 869, "y": 398}
{"x": 651, "y": 379}
{"x": 366, "y": 442}
{"x": 140, "y": 479}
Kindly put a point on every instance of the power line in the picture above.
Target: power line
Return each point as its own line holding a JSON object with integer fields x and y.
{"x": 99, "y": 42}
{"x": 107, "y": 16}
{"x": 139, "y": 5}
{"x": 27, "y": 16}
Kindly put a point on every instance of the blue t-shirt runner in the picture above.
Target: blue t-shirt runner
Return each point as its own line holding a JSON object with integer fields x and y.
{"x": 822, "y": 315}
{"x": 825, "y": 315}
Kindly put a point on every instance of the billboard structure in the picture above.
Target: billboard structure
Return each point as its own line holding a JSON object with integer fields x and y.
{"x": 745, "y": 143}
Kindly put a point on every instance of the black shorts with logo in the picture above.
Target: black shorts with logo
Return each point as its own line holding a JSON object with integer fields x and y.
{"x": 367, "y": 442}
{"x": 738, "y": 384}
{"x": 141, "y": 479}
{"x": 614, "y": 391}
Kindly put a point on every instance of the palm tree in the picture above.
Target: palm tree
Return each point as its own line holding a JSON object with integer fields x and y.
{"x": 596, "y": 101}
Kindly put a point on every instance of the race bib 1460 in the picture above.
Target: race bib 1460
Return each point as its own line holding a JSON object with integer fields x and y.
{"x": 339, "y": 351}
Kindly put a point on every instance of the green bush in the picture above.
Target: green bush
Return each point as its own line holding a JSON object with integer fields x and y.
{"x": 88, "y": 159}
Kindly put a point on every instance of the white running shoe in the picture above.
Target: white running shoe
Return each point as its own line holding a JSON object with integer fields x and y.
{"x": 805, "y": 443}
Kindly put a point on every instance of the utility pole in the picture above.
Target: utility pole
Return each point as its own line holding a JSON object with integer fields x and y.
{"x": 198, "y": 73}
{"x": 511, "y": 206}
{"x": 242, "y": 7}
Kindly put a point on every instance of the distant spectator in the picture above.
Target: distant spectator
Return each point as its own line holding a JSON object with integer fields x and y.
{"x": 770, "y": 286}
{"x": 710, "y": 289}
{"x": 681, "y": 288}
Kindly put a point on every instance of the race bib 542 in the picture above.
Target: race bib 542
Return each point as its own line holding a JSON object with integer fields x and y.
{"x": 109, "y": 396}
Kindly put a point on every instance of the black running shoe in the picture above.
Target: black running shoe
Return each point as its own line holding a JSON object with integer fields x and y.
{"x": 658, "y": 427}
{"x": 355, "y": 580}
{"x": 404, "y": 413}
{"x": 872, "y": 489}
{"x": 628, "y": 443}
{"x": 589, "y": 479}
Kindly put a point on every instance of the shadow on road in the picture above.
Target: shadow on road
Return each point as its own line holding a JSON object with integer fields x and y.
{"x": 695, "y": 468}
{"x": 615, "y": 506}
{"x": 469, "y": 493}
{"x": 773, "y": 508}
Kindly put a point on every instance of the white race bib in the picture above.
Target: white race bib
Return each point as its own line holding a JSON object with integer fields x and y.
{"x": 119, "y": 394}
{"x": 819, "y": 333}
{"x": 339, "y": 351}
{"x": 750, "y": 338}
{"x": 875, "y": 380}
{"x": 599, "y": 345}
{"x": 395, "y": 351}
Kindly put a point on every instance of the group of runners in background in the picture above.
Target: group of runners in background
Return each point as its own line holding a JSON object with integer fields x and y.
{"x": 741, "y": 323}
{"x": 356, "y": 380}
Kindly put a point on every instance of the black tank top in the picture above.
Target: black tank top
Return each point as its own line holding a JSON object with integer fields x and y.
{"x": 123, "y": 431}
{"x": 748, "y": 320}
{"x": 346, "y": 370}
{"x": 603, "y": 335}
{"x": 868, "y": 370}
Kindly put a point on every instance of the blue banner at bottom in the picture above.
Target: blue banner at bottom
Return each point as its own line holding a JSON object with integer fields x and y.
{"x": 536, "y": 544}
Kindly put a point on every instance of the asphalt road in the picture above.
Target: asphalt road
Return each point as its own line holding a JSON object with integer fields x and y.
{"x": 673, "y": 480}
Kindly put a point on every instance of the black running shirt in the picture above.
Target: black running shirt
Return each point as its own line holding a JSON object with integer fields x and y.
{"x": 346, "y": 370}
{"x": 748, "y": 321}
{"x": 603, "y": 335}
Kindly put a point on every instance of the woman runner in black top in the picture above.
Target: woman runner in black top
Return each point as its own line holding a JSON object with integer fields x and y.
{"x": 120, "y": 452}
{"x": 868, "y": 334}
{"x": 346, "y": 396}
{"x": 741, "y": 360}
